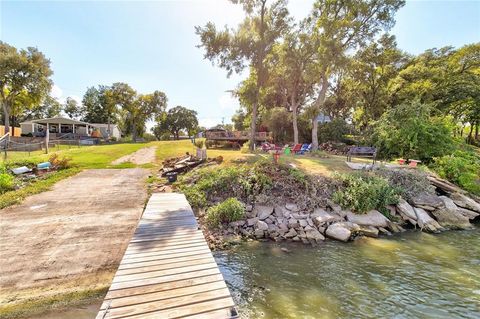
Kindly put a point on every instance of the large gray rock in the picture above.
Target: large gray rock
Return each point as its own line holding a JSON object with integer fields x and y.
{"x": 293, "y": 223}
{"x": 341, "y": 231}
{"x": 252, "y": 221}
{"x": 262, "y": 211}
{"x": 470, "y": 214}
{"x": 259, "y": 233}
{"x": 450, "y": 216}
{"x": 261, "y": 225}
{"x": 292, "y": 207}
{"x": 406, "y": 209}
{"x": 321, "y": 216}
{"x": 425, "y": 221}
{"x": 372, "y": 218}
{"x": 368, "y": 231}
{"x": 427, "y": 201}
{"x": 291, "y": 233}
{"x": 282, "y": 211}
{"x": 465, "y": 202}
{"x": 314, "y": 234}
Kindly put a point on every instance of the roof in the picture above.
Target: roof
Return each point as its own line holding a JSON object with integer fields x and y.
{"x": 99, "y": 125}
{"x": 56, "y": 120}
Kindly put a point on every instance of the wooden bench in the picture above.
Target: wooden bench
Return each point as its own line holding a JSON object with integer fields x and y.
{"x": 362, "y": 151}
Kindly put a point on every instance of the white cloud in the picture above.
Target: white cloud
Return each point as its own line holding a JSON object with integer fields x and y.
{"x": 228, "y": 102}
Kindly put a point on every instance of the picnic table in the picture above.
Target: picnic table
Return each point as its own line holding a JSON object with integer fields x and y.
{"x": 362, "y": 151}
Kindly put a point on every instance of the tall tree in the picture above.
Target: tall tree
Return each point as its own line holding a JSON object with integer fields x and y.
{"x": 238, "y": 120}
{"x": 72, "y": 108}
{"x": 25, "y": 72}
{"x": 248, "y": 45}
{"x": 338, "y": 28}
{"x": 95, "y": 105}
{"x": 123, "y": 96}
{"x": 176, "y": 120}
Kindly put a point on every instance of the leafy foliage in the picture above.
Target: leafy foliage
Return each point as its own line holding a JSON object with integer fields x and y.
{"x": 227, "y": 211}
{"x": 461, "y": 168}
{"x": 362, "y": 192}
{"x": 333, "y": 131}
{"x": 409, "y": 131}
{"x": 60, "y": 162}
{"x": 175, "y": 121}
{"x": 6, "y": 180}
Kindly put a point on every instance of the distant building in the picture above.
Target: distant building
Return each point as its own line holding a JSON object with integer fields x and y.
{"x": 322, "y": 118}
{"x": 67, "y": 128}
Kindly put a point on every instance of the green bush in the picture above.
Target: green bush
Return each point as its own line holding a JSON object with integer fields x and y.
{"x": 362, "y": 192}
{"x": 461, "y": 168}
{"x": 6, "y": 182}
{"x": 409, "y": 131}
{"x": 408, "y": 182}
{"x": 333, "y": 131}
{"x": 228, "y": 211}
{"x": 232, "y": 181}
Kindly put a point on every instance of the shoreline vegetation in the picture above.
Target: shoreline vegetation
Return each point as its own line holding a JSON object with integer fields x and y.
{"x": 263, "y": 201}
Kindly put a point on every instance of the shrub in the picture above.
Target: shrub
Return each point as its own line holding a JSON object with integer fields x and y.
{"x": 409, "y": 131}
{"x": 362, "y": 192}
{"x": 234, "y": 181}
{"x": 333, "y": 131}
{"x": 228, "y": 211}
{"x": 461, "y": 168}
{"x": 6, "y": 182}
{"x": 408, "y": 182}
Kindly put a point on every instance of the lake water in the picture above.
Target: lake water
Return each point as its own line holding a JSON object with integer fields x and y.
{"x": 413, "y": 275}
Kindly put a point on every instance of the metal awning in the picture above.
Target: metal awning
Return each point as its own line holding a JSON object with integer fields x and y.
{"x": 59, "y": 120}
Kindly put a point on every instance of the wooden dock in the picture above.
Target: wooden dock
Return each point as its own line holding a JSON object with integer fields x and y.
{"x": 168, "y": 271}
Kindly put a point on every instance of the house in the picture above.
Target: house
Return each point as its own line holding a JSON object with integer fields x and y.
{"x": 63, "y": 127}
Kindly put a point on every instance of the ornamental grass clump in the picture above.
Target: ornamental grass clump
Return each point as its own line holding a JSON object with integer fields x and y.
{"x": 227, "y": 211}
{"x": 362, "y": 192}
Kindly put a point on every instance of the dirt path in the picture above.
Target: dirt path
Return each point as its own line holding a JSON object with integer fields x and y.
{"x": 71, "y": 238}
{"x": 142, "y": 156}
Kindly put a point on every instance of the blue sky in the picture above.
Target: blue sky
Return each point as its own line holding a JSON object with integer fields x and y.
{"x": 151, "y": 45}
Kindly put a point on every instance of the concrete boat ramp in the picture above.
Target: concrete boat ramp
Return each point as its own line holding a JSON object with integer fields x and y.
{"x": 168, "y": 270}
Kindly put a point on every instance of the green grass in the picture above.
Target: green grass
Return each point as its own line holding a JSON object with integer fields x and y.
{"x": 41, "y": 185}
{"x": 97, "y": 156}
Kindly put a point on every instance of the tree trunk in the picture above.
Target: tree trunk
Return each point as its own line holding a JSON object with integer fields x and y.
{"x": 6, "y": 116}
{"x": 295, "y": 124}
{"x": 470, "y": 133}
{"x": 108, "y": 128}
{"x": 134, "y": 130}
{"x": 253, "y": 126}
{"x": 476, "y": 130}
{"x": 315, "y": 133}
{"x": 318, "y": 106}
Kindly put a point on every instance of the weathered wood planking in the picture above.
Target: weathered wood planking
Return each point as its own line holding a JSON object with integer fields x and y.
{"x": 168, "y": 271}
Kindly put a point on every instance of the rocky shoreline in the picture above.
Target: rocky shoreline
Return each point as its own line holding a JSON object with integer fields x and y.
{"x": 448, "y": 208}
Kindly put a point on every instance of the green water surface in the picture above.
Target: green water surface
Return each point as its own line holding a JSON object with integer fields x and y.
{"x": 412, "y": 275}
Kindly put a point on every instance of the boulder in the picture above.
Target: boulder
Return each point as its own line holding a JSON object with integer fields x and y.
{"x": 342, "y": 230}
{"x": 262, "y": 211}
{"x": 259, "y": 233}
{"x": 368, "y": 231}
{"x": 404, "y": 208}
{"x": 281, "y": 211}
{"x": 470, "y": 214}
{"x": 293, "y": 223}
{"x": 315, "y": 235}
{"x": 449, "y": 216}
{"x": 292, "y": 207}
{"x": 321, "y": 216}
{"x": 310, "y": 222}
{"x": 291, "y": 233}
{"x": 465, "y": 202}
{"x": 261, "y": 225}
{"x": 425, "y": 221}
{"x": 372, "y": 218}
{"x": 427, "y": 201}
{"x": 336, "y": 208}
{"x": 303, "y": 222}
{"x": 300, "y": 216}
{"x": 252, "y": 221}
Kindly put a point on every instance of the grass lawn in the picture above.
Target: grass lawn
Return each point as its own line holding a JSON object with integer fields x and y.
{"x": 98, "y": 156}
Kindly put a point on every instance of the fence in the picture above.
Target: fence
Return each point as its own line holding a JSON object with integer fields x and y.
{"x": 16, "y": 132}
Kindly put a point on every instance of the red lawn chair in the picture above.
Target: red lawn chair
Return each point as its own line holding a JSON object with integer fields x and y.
{"x": 296, "y": 148}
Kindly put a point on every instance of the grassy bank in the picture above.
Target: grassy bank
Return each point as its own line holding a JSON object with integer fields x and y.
{"x": 38, "y": 306}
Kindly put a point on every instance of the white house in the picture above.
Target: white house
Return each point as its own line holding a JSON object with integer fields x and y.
{"x": 68, "y": 128}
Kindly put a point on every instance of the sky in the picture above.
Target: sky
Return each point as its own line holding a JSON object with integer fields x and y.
{"x": 151, "y": 45}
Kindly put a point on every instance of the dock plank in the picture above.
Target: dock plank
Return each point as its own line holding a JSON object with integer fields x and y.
{"x": 167, "y": 270}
